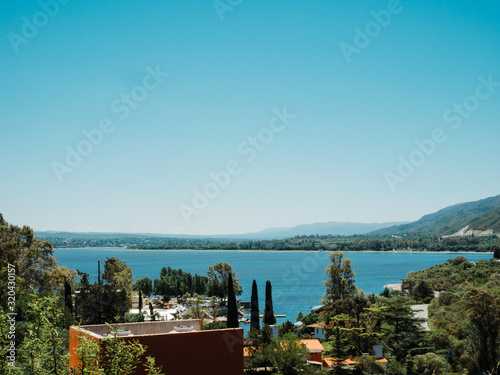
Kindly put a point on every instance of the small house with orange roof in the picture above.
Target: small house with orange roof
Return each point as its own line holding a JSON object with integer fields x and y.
{"x": 320, "y": 329}
{"x": 315, "y": 350}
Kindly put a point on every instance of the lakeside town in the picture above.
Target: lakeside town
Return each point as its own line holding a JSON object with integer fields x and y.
{"x": 232, "y": 187}
{"x": 435, "y": 321}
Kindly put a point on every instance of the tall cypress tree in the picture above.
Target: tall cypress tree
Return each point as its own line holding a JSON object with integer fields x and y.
{"x": 140, "y": 302}
{"x": 67, "y": 295}
{"x": 232, "y": 309}
{"x": 496, "y": 252}
{"x": 269, "y": 317}
{"x": 254, "y": 308}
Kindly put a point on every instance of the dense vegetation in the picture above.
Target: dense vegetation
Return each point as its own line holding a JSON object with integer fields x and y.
{"x": 74, "y": 240}
{"x": 37, "y": 308}
{"x": 465, "y": 319}
{"x": 354, "y": 323}
{"x": 337, "y": 243}
{"x": 466, "y": 314}
{"x": 36, "y": 311}
{"x": 303, "y": 243}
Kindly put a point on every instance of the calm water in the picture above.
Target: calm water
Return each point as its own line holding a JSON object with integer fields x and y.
{"x": 296, "y": 277}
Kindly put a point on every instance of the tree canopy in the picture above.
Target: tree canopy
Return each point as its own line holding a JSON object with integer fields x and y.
{"x": 340, "y": 283}
{"x": 218, "y": 280}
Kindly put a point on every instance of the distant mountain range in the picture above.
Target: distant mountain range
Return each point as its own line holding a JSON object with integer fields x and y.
{"x": 481, "y": 215}
{"x": 125, "y": 239}
{"x": 322, "y": 229}
{"x": 478, "y": 218}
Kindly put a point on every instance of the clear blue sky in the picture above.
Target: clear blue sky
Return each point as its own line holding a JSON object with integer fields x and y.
{"x": 68, "y": 68}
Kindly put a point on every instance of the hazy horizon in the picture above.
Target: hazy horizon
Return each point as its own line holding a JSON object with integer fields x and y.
{"x": 219, "y": 234}
{"x": 202, "y": 118}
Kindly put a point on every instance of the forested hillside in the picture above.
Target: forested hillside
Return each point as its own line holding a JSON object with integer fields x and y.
{"x": 466, "y": 312}
{"x": 484, "y": 214}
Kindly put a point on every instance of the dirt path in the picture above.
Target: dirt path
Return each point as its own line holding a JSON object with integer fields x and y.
{"x": 421, "y": 311}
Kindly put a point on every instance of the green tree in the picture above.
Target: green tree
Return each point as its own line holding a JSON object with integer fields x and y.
{"x": 254, "y": 308}
{"x": 196, "y": 308}
{"x": 368, "y": 365}
{"x": 174, "y": 282}
{"x": 32, "y": 258}
{"x": 232, "y": 308}
{"x": 116, "y": 356}
{"x": 269, "y": 317}
{"x": 484, "y": 308}
{"x": 428, "y": 364}
{"x": 339, "y": 337}
{"x": 6, "y": 336}
{"x": 120, "y": 357}
{"x": 87, "y": 352}
{"x": 43, "y": 343}
{"x": 119, "y": 277}
{"x": 40, "y": 337}
{"x": 218, "y": 279}
{"x": 287, "y": 354}
{"x": 151, "y": 368}
{"x": 299, "y": 317}
{"x": 402, "y": 330}
{"x": 496, "y": 252}
{"x": 214, "y": 307}
{"x": 100, "y": 303}
{"x": 423, "y": 292}
{"x": 340, "y": 283}
{"x": 386, "y": 293}
{"x": 68, "y": 300}
{"x": 164, "y": 287}
{"x": 144, "y": 285}
{"x": 287, "y": 327}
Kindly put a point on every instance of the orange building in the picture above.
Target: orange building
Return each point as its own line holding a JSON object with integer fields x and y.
{"x": 179, "y": 346}
{"x": 315, "y": 350}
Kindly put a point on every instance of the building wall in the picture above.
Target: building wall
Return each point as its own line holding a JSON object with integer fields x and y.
{"x": 217, "y": 352}
{"x": 315, "y": 357}
{"x": 319, "y": 333}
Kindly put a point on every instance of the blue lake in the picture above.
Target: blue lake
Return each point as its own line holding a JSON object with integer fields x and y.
{"x": 297, "y": 277}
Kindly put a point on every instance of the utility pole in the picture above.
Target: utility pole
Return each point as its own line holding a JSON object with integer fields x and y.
{"x": 446, "y": 368}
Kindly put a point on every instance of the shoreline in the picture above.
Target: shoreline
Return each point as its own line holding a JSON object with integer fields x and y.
{"x": 281, "y": 251}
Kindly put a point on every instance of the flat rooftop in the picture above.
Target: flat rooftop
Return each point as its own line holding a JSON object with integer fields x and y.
{"x": 144, "y": 328}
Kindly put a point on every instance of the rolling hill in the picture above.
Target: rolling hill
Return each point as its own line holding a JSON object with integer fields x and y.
{"x": 479, "y": 215}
